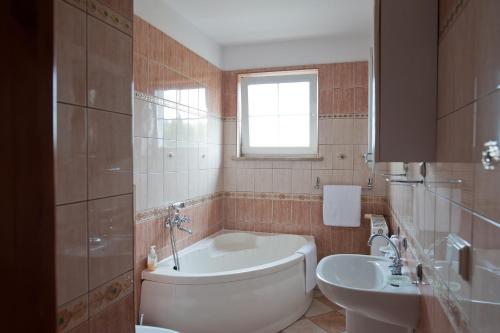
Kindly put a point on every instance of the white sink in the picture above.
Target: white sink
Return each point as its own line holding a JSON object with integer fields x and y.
{"x": 362, "y": 285}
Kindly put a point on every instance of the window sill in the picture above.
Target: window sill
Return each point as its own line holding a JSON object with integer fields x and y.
{"x": 277, "y": 158}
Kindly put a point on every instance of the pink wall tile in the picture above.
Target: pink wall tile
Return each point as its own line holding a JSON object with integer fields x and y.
{"x": 110, "y": 238}
{"x": 106, "y": 321}
{"x": 361, "y": 74}
{"x": 343, "y": 100}
{"x": 109, "y": 154}
{"x": 282, "y": 211}
{"x": 343, "y": 75}
{"x": 71, "y": 160}
{"x": 109, "y": 63}
{"x": 71, "y": 251}
{"x": 70, "y": 47}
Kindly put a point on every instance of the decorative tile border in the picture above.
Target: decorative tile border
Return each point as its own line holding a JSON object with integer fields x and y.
{"x": 170, "y": 104}
{"x": 160, "y": 212}
{"x": 72, "y": 314}
{"x": 108, "y": 15}
{"x": 322, "y": 116}
{"x": 110, "y": 292}
{"x": 104, "y": 13}
{"x": 344, "y": 116}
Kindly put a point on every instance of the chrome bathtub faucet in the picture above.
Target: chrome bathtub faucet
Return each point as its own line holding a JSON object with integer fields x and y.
{"x": 175, "y": 219}
{"x": 396, "y": 260}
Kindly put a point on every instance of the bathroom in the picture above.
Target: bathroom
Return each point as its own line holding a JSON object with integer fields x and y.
{"x": 252, "y": 166}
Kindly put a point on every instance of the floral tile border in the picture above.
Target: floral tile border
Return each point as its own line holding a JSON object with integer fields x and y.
{"x": 322, "y": 116}
{"x": 154, "y": 213}
{"x": 109, "y": 293}
{"x": 160, "y": 212}
{"x": 108, "y": 15}
{"x": 170, "y": 104}
{"x": 104, "y": 13}
{"x": 71, "y": 314}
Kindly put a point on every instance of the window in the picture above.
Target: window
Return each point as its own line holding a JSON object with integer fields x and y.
{"x": 279, "y": 113}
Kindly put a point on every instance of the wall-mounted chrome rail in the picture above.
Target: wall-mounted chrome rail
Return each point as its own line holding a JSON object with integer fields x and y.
{"x": 448, "y": 181}
{"x": 404, "y": 182}
{"x": 369, "y": 185}
{"x": 393, "y": 174}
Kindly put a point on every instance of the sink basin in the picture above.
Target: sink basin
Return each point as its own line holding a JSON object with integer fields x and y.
{"x": 364, "y": 286}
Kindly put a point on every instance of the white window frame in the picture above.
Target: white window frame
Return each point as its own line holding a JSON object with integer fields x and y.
{"x": 309, "y": 75}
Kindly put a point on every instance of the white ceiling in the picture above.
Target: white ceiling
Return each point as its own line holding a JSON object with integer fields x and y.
{"x": 237, "y": 22}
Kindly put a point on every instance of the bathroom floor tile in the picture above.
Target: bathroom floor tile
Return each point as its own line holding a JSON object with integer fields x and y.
{"x": 317, "y": 308}
{"x": 327, "y": 302}
{"x": 304, "y": 326}
{"x": 332, "y": 322}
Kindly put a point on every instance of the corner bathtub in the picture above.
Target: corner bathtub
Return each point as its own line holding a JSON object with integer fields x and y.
{"x": 231, "y": 282}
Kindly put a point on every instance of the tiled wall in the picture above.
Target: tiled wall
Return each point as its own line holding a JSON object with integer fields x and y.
{"x": 468, "y": 116}
{"x": 94, "y": 213}
{"x": 281, "y": 196}
{"x": 177, "y": 142}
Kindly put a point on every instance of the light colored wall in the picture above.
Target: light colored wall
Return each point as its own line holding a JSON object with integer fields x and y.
{"x": 93, "y": 136}
{"x": 170, "y": 22}
{"x": 280, "y": 196}
{"x": 320, "y": 50}
{"x": 468, "y": 114}
{"x": 177, "y": 142}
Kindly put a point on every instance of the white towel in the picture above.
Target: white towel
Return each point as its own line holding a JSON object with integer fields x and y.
{"x": 309, "y": 252}
{"x": 342, "y": 205}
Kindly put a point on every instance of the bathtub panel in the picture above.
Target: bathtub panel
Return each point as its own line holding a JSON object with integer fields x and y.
{"x": 214, "y": 308}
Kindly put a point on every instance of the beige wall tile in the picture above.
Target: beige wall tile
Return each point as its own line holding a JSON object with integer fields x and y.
{"x": 71, "y": 157}
{"x": 71, "y": 252}
{"x": 140, "y": 191}
{"x": 109, "y": 154}
{"x": 263, "y": 180}
{"x": 282, "y": 180}
{"x": 245, "y": 180}
{"x": 155, "y": 155}
{"x": 360, "y": 131}
{"x": 109, "y": 68}
{"x": 342, "y": 131}
{"x": 70, "y": 50}
{"x": 325, "y": 135}
{"x": 110, "y": 238}
{"x": 301, "y": 181}
{"x": 342, "y": 177}
{"x": 140, "y": 151}
{"x": 342, "y": 157}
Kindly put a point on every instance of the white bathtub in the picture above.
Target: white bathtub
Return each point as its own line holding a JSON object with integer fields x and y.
{"x": 231, "y": 282}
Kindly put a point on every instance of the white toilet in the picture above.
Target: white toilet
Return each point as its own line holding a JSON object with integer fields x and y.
{"x": 151, "y": 329}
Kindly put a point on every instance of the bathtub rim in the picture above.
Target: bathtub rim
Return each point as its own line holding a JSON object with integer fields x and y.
{"x": 161, "y": 275}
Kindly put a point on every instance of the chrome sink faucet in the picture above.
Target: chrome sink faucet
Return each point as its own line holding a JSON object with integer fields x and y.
{"x": 396, "y": 260}
{"x": 175, "y": 219}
